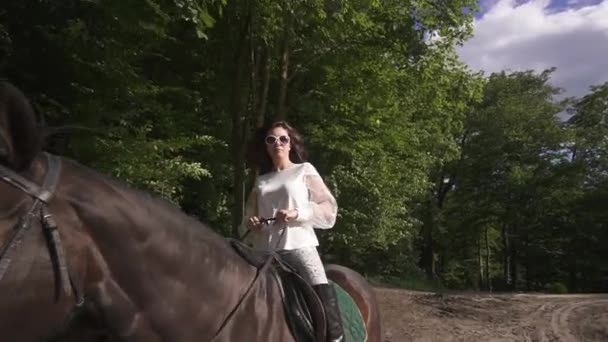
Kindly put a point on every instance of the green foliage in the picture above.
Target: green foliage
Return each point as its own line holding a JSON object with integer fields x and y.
{"x": 471, "y": 179}
{"x": 516, "y": 181}
{"x": 418, "y": 282}
{"x": 153, "y": 164}
{"x": 557, "y": 288}
{"x": 589, "y": 125}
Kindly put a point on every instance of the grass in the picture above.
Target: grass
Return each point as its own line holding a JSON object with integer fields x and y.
{"x": 414, "y": 283}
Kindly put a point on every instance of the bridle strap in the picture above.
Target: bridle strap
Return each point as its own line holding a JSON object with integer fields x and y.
{"x": 48, "y": 222}
{"x": 43, "y": 194}
{"x": 8, "y": 249}
{"x": 41, "y": 198}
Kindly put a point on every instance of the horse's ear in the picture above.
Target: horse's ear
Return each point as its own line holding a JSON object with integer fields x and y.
{"x": 3, "y": 148}
{"x": 20, "y": 138}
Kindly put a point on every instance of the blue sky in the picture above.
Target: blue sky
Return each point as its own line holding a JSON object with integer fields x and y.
{"x": 571, "y": 35}
{"x": 553, "y": 5}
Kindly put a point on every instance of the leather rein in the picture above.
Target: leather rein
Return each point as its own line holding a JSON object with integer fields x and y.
{"x": 39, "y": 210}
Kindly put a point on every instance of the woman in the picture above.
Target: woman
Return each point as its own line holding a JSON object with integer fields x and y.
{"x": 290, "y": 190}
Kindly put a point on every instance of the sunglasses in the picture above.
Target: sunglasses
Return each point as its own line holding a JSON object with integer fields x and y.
{"x": 272, "y": 139}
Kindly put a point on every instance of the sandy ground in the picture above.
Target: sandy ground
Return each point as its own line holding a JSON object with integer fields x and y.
{"x": 471, "y": 317}
{"x": 421, "y": 316}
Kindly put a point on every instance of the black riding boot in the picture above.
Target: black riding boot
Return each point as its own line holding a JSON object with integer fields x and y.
{"x": 335, "y": 332}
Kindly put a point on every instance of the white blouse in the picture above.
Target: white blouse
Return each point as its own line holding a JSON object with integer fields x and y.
{"x": 297, "y": 187}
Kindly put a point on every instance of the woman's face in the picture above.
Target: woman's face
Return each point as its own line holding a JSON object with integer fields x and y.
{"x": 278, "y": 143}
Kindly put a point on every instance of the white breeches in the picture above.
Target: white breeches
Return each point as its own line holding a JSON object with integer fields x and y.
{"x": 307, "y": 263}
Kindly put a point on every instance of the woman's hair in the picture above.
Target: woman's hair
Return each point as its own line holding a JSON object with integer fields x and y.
{"x": 257, "y": 154}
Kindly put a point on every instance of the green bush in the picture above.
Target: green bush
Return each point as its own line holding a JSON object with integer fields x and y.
{"x": 556, "y": 287}
{"x": 413, "y": 282}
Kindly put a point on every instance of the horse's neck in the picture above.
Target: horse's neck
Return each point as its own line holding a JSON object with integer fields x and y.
{"x": 145, "y": 228}
{"x": 157, "y": 254}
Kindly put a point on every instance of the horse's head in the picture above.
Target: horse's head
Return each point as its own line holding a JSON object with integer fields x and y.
{"x": 19, "y": 144}
{"x": 29, "y": 261}
{"x": 17, "y": 125}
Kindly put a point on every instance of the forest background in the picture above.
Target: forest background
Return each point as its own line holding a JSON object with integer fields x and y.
{"x": 445, "y": 177}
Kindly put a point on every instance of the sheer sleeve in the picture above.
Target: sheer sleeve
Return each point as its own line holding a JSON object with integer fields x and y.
{"x": 322, "y": 208}
{"x": 251, "y": 209}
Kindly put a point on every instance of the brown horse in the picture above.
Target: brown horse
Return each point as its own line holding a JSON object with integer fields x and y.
{"x": 149, "y": 272}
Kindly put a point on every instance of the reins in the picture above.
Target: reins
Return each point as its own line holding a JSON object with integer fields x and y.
{"x": 259, "y": 270}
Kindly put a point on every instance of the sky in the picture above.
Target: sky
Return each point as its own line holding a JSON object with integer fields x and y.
{"x": 571, "y": 35}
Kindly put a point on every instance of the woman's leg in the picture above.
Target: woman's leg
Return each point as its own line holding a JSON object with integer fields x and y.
{"x": 308, "y": 264}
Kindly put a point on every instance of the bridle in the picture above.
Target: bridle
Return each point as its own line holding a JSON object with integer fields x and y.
{"x": 39, "y": 210}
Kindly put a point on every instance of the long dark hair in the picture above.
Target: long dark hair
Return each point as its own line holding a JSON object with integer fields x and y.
{"x": 256, "y": 151}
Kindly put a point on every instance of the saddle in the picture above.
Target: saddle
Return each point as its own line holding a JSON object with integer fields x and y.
{"x": 303, "y": 308}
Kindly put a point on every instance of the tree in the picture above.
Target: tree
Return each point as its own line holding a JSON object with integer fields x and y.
{"x": 509, "y": 143}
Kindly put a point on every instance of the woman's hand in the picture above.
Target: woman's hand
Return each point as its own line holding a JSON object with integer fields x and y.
{"x": 254, "y": 223}
{"x": 286, "y": 215}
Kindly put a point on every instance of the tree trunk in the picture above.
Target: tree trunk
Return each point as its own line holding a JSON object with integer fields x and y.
{"x": 427, "y": 255}
{"x": 435, "y": 206}
{"x": 507, "y": 256}
{"x": 240, "y": 94}
{"x": 514, "y": 266}
{"x": 572, "y": 279}
{"x": 256, "y": 62}
{"x": 526, "y": 248}
{"x": 261, "y": 111}
{"x": 480, "y": 267}
{"x": 488, "y": 284}
{"x": 427, "y": 252}
{"x": 284, "y": 77}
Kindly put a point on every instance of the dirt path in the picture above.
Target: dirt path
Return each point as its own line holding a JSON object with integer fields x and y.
{"x": 420, "y": 316}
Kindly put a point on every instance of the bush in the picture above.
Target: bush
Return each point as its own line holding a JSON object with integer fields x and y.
{"x": 415, "y": 282}
{"x": 556, "y": 287}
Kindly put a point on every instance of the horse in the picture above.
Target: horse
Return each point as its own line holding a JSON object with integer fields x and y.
{"x": 75, "y": 240}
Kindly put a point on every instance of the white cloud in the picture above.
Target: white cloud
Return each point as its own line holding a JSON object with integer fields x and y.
{"x": 532, "y": 35}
